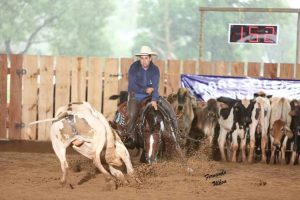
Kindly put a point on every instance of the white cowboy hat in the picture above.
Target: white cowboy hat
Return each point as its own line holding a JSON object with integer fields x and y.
{"x": 146, "y": 51}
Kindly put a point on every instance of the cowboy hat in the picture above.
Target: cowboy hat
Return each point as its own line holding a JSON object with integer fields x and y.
{"x": 146, "y": 51}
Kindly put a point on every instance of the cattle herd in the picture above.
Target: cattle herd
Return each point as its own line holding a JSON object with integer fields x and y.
{"x": 264, "y": 128}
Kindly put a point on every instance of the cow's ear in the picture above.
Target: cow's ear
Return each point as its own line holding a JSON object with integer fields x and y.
{"x": 255, "y": 95}
{"x": 269, "y": 96}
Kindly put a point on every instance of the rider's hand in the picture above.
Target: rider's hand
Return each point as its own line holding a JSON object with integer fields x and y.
{"x": 154, "y": 104}
{"x": 149, "y": 90}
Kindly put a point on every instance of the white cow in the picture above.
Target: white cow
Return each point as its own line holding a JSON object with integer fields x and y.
{"x": 89, "y": 133}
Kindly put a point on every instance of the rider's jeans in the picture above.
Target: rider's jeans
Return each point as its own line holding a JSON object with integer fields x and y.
{"x": 132, "y": 111}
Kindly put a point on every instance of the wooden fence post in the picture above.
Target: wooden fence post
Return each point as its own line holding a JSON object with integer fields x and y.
{"x": 78, "y": 79}
{"x": 15, "y": 107}
{"x": 189, "y": 67}
{"x": 29, "y": 94}
{"x": 45, "y": 96}
{"x": 95, "y": 82}
{"x": 253, "y": 70}
{"x": 221, "y": 68}
{"x": 237, "y": 69}
{"x": 173, "y": 76}
{"x": 206, "y": 68}
{"x": 270, "y": 70}
{"x": 110, "y": 87}
{"x": 297, "y": 73}
{"x": 125, "y": 64}
{"x": 286, "y": 71}
{"x": 62, "y": 82}
{"x": 161, "y": 65}
{"x": 3, "y": 96}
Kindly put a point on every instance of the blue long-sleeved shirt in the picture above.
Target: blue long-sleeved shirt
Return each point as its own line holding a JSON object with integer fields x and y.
{"x": 140, "y": 79}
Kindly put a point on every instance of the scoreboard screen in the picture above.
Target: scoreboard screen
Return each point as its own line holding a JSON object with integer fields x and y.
{"x": 253, "y": 33}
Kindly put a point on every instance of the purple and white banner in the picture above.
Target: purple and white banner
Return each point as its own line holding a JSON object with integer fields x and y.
{"x": 205, "y": 87}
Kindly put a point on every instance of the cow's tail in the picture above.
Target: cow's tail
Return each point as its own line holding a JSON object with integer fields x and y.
{"x": 28, "y": 131}
{"x": 41, "y": 121}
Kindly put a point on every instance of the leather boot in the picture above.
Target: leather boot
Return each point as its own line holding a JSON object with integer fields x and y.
{"x": 132, "y": 111}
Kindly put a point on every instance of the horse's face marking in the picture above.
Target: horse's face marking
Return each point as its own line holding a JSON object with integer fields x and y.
{"x": 152, "y": 131}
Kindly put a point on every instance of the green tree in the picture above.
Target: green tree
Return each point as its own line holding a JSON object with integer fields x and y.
{"x": 70, "y": 27}
{"x": 172, "y": 28}
{"x": 169, "y": 26}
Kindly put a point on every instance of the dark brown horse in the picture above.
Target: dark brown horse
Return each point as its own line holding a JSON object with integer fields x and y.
{"x": 155, "y": 135}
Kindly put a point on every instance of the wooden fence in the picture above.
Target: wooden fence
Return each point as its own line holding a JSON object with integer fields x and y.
{"x": 33, "y": 87}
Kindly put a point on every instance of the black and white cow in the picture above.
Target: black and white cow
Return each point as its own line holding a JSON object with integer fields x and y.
{"x": 235, "y": 116}
{"x": 260, "y": 120}
{"x": 295, "y": 128}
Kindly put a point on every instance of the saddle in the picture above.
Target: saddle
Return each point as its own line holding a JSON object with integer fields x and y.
{"x": 120, "y": 119}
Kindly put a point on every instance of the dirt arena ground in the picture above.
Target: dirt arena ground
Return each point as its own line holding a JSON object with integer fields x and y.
{"x": 28, "y": 175}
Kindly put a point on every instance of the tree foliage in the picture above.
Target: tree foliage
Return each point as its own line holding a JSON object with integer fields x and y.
{"x": 70, "y": 27}
{"x": 172, "y": 28}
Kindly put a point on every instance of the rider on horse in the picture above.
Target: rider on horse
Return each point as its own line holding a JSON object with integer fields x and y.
{"x": 143, "y": 77}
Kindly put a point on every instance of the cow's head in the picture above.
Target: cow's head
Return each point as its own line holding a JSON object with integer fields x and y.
{"x": 278, "y": 130}
{"x": 207, "y": 114}
{"x": 212, "y": 109}
{"x": 183, "y": 103}
{"x": 182, "y": 100}
{"x": 295, "y": 108}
